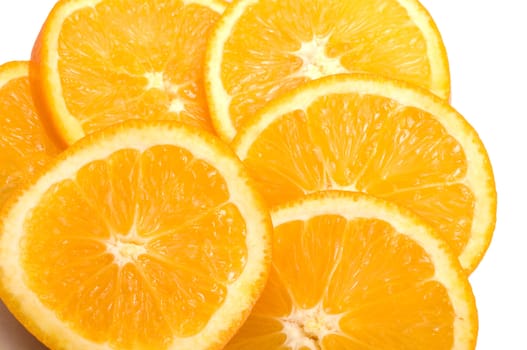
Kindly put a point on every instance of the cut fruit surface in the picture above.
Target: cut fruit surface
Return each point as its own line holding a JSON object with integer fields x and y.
{"x": 99, "y": 62}
{"x": 25, "y": 145}
{"x": 383, "y": 137}
{"x": 351, "y": 271}
{"x": 261, "y": 49}
{"x": 147, "y": 235}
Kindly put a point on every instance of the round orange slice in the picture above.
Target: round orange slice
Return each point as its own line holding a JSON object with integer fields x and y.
{"x": 147, "y": 235}
{"x": 26, "y": 145}
{"x": 100, "y": 62}
{"x": 261, "y": 49}
{"x": 351, "y": 271}
{"x": 383, "y": 137}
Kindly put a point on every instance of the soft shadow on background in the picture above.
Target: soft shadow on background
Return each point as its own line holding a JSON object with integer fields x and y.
{"x": 13, "y": 335}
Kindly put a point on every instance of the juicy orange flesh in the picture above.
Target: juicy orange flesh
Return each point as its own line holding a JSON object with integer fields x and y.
{"x": 370, "y": 144}
{"x": 261, "y": 58}
{"x": 379, "y": 282}
{"x": 135, "y": 60}
{"x": 25, "y": 145}
{"x": 137, "y": 248}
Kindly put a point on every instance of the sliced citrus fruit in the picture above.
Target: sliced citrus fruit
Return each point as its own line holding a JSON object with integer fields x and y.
{"x": 25, "y": 144}
{"x": 99, "y": 62}
{"x": 351, "y": 271}
{"x": 383, "y": 137}
{"x": 147, "y": 235}
{"x": 260, "y": 49}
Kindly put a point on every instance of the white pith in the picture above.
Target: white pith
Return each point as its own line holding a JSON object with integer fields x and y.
{"x": 316, "y": 63}
{"x": 156, "y": 80}
{"x": 305, "y": 328}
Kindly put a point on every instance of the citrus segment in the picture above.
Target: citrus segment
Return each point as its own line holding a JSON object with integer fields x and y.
{"x": 148, "y": 235}
{"x": 99, "y": 62}
{"x": 387, "y": 138}
{"x": 261, "y": 49}
{"x": 351, "y": 271}
{"x": 26, "y": 146}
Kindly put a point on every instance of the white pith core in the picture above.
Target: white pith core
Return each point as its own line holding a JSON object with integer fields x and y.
{"x": 316, "y": 63}
{"x": 177, "y": 106}
{"x": 125, "y": 249}
{"x": 305, "y": 328}
{"x": 155, "y": 80}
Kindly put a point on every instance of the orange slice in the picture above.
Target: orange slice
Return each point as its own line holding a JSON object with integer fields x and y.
{"x": 387, "y": 138}
{"x": 99, "y": 62}
{"x": 148, "y": 235}
{"x": 261, "y": 49}
{"x": 354, "y": 272}
{"x": 25, "y": 144}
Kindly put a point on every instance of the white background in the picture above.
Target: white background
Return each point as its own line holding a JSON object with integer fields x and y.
{"x": 486, "y": 42}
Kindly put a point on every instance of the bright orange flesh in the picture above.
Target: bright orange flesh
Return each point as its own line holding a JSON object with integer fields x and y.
{"x": 261, "y": 49}
{"x": 97, "y": 63}
{"x": 179, "y": 245}
{"x": 334, "y": 134}
{"x": 143, "y": 247}
{"x": 350, "y": 280}
{"x": 25, "y": 144}
{"x": 385, "y": 151}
